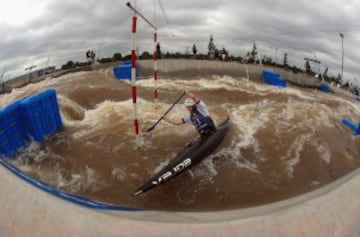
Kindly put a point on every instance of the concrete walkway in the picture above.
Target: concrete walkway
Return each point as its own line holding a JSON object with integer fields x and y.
{"x": 333, "y": 210}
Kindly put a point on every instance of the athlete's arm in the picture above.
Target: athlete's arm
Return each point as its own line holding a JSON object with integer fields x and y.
{"x": 193, "y": 96}
{"x": 174, "y": 121}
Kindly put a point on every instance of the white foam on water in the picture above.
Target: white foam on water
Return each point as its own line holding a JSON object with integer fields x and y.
{"x": 82, "y": 75}
{"x": 161, "y": 166}
{"x": 68, "y": 104}
{"x": 213, "y": 83}
{"x": 300, "y": 94}
{"x": 118, "y": 147}
{"x": 120, "y": 114}
{"x": 65, "y": 183}
{"x": 227, "y": 83}
{"x": 292, "y": 156}
{"x": 287, "y": 118}
{"x": 234, "y": 155}
{"x": 307, "y": 117}
{"x": 36, "y": 152}
{"x": 80, "y": 181}
{"x": 293, "y": 114}
{"x": 352, "y": 108}
{"x": 206, "y": 170}
{"x": 246, "y": 121}
{"x": 324, "y": 152}
{"x": 100, "y": 118}
{"x": 30, "y": 158}
{"x": 119, "y": 173}
{"x": 108, "y": 73}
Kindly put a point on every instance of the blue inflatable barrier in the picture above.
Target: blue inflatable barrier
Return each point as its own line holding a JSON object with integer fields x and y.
{"x": 123, "y": 71}
{"x": 273, "y": 78}
{"x": 266, "y": 72}
{"x": 325, "y": 88}
{"x": 35, "y": 117}
{"x": 352, "y": 125}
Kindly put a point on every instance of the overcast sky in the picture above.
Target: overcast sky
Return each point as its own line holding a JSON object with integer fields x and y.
{"x": 33, "y": 31}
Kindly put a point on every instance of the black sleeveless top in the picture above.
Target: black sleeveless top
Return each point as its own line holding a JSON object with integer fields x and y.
{"x": 203, "y": 124}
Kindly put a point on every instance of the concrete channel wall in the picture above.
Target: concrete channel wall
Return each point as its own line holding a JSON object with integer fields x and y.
{"x": 186, "y": 68}
{"x": 331, "y": 211}
{"x": 183, "y": 68}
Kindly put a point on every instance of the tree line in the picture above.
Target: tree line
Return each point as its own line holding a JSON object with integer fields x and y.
{"x": 250, "y": 58}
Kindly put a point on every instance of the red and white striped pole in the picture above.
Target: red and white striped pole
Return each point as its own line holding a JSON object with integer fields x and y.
{"x": 133, "y": 82}
{"x": 156, "y": 94}
{"x": 133, "y": 70}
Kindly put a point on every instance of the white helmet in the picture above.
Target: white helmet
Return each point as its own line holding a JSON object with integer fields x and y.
{"x": 189, "y": 102}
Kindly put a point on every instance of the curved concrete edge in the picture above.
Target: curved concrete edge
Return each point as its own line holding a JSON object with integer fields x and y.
{"x": 76, "y": 199}
{"x": 191, "y": 68}
{"x": 333, "y": 210}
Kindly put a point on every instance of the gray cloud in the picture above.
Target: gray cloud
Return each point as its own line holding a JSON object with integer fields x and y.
{"x": 66, "y": 29}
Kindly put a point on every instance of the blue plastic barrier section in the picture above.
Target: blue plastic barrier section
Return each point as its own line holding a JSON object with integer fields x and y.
{"x": 12, "y": 135}
{"x": 32, "y": 117}
{"x": 352, "y": 125}
{"x": 127, "y": 62}
{"x": 123, "y": 71}
{"x": 358, "y": 98}
{"x": 273, "y": 78}
{"x": 42, "y": 114}
{"x": 66, "y": 196}
{"x": 325, "y": 88}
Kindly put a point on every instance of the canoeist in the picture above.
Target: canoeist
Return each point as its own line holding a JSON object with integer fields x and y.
{"x": 199, "y": 116}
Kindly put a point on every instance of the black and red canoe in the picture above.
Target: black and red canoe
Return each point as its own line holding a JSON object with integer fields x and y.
{"x": 194, "y": 152}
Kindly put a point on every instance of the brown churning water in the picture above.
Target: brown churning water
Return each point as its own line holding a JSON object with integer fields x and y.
{"x": 282, "y": 142}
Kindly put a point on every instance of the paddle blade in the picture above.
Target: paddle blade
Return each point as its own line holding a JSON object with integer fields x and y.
{"x": 150, "y": 129}
{"x": 137, "y": 192}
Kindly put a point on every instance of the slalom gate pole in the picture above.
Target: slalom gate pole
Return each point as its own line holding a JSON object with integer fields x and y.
{"x": 133, "y": 70}
{"x": 156, "y": 94}
{"x": 133, "y": 82}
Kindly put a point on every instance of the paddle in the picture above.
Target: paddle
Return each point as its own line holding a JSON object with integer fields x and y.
{"x": 177, "y": 100}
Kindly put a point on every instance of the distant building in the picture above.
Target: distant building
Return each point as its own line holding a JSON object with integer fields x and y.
{"x": 45, "y": 71}
{"x": 32, "y": 76}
